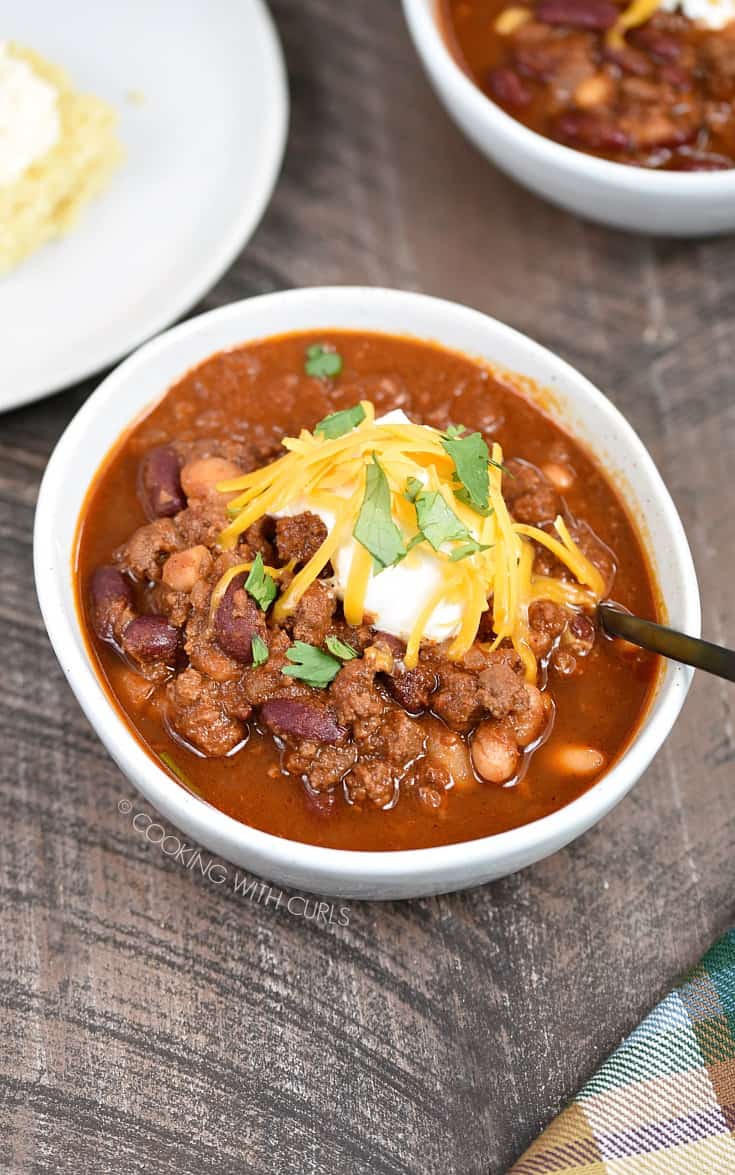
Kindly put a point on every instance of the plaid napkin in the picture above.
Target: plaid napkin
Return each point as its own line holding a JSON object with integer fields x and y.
{"x": 664, "y": 1102}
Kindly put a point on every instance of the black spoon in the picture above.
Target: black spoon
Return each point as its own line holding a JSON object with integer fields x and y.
{"x": 689, "y": 650}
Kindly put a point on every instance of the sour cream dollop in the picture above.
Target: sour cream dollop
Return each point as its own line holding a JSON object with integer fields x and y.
{"x": 396, "y": 596}
{"x": 29, "y": 116}
{"x": 713, "y": 14}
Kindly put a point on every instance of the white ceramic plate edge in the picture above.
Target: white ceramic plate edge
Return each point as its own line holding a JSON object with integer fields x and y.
{"x": 239, "y": 233}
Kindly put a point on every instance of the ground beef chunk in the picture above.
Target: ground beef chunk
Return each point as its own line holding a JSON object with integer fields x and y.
{"x": 396, "y": 738}
{"x": 204, "y": 654}
{"x": 501, "y": 691}
{"x": 322, "y": 764}
{"x": 718, "y": 62}
{"x": 652, "y": 115}
{"x": 311, "y": 619}
{"x": 299, "y": 537}
{"x": 205, "y": 714}
{"x": 175, "y": 605}
{"x": 547, "y": 621}
{"x": 456, "y": 701}
{"x": 202, "y": 522}
{"x": 371, "y": 782}
{"x": 269, "y": 681}
{"x": 147, "y": 548}
{"x": 530, "y": 497}
{"x": 540, "y": 53}
{"x": 258, "y": 540}
{"x": 467, "y": 695}
{"x": 354, "y": 693}
{"x": 412, "y": 688}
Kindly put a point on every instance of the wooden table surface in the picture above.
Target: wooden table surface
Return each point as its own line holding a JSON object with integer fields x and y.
{"x": 155, "y": 1021}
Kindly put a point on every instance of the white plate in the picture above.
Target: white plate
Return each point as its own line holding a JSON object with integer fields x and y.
{"x": 203, "y": 150}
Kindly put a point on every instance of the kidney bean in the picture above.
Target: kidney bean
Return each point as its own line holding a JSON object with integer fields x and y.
{"x": 302, "y": 719}
{"x": 507, "y": 87}
{"x": 630, "y": 61}
{"x": 110, "y": 593}
{"x": 659, "y": 45}
{"x": 159, "y": 483}
{"x": 237, "y": 621}
{"x": 675, "y": 76}
{"x": 580, "y": 635}
{"x": 579, "y": 128}
{"x": 700, "y": 161}
{"x": 579, "y": 14}
{"x": 151, "y": 638}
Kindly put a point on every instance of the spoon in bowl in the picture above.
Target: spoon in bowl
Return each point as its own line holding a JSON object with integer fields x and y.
{"x": 689, "y": 650}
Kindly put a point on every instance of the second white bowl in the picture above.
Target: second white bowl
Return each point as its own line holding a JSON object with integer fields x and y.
{"x": 617, "y": 194}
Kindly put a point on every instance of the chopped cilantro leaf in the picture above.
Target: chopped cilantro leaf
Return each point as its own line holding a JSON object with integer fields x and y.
{"x": 321, "y": 362}
{"x": 469, "y": 548}
{"x": 462, "y": 496}
{"x": 311, "y": 665}
{"x": 260, "y": 585}
{"x": 413, "y": 488}
{"x": 260, "y": 651}
{"x": 375, "y": 529}
{"x": 436, "y": 521}
{"x": 471, "y": 459}
{"x": 338, "y": 423}
{"x": 339, "y": 649}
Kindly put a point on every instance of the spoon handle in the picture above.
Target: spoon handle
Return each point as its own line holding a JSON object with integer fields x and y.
{"x": 689, "y": 650}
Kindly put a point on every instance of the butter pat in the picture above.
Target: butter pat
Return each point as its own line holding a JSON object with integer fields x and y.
{"x": 29, "y": 116}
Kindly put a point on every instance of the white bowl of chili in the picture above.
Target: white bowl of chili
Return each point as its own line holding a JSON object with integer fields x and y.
{"x": 138, "y": 383}
{"x": 621, "y": 195}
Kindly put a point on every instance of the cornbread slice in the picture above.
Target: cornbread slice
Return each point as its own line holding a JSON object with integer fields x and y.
{"x": 45, "y": 201}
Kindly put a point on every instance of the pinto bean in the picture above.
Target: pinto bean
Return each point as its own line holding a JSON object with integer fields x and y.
{"x": 237, "y": 621}
{"x": 560, "y": 476}
{"x": 183, "y": 569}
{"x": 582, "y": 128}
{"x": 111, "y": 594}
{"x": 529, "y": 724}
{"x": 201, "y": 476}
{"x": 159, "y": 483}
{"x": 579, "y": 14}
{"x": 508, "y": 88}
{"x": 660, "y": 45}
{"x": 302, "y": 719}
{"x": 150, "y": 638}
{"x": 448, "y": 750}
{"x": 494, "y": 752}
{"x": 579, "y": 760}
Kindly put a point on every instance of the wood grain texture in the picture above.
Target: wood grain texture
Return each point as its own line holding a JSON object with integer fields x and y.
{"x": 154, "y": 1021}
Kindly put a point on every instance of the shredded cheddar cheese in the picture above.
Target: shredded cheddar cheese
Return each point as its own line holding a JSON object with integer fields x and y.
{"x": 496, "y": 568}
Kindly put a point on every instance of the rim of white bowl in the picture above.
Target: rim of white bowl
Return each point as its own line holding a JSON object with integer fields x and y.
{"x": 329, "y": 864}
{"x": 423, "y": 23}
